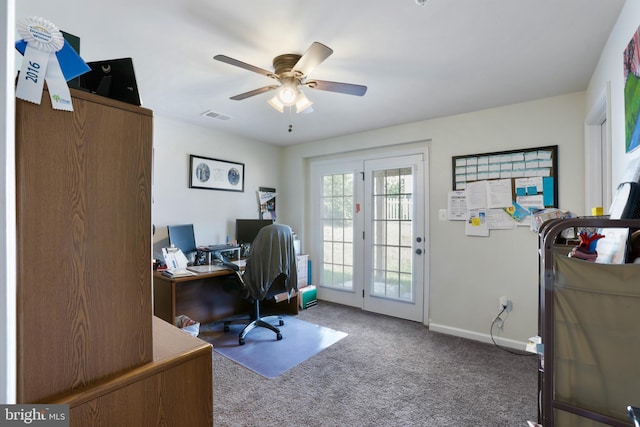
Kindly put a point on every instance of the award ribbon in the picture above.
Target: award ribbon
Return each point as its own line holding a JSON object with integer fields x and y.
{"x": 40, "y": 63}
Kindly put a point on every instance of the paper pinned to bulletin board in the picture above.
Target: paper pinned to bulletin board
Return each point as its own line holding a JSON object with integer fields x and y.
{"x": 457, "y": 206}
{"x": 476, "y": 224}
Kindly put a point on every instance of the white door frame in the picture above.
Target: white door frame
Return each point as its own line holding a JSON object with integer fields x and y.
{"x": 412, "y": 309}
{"x": 352, "y": 297}
{"x": 597, "y": 152}
{"x": 315, "y": 237}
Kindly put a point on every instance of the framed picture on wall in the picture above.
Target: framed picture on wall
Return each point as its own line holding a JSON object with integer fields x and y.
{"x": 215, "y": 174}
{"x": 267, "y": 197}
{"x": 631, "y": 59}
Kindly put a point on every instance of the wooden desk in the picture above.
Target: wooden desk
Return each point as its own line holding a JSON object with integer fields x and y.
{"x": 203, "y": 298}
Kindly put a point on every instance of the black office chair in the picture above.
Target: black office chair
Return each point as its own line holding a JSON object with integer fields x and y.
{"x": 270, "y": 270}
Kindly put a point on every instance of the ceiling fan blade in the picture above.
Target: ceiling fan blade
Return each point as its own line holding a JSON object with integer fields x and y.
{"x": 316, "y": 53}
{"x": 347, "y": 88}
{"x": 231, "y": 61}
{"x": 254, "y": 92}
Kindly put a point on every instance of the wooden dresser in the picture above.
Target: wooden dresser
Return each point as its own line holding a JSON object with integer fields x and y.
{"x": 84, "y": 297}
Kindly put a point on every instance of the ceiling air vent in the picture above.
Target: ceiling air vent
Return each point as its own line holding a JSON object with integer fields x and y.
{"x": 214, "y": 115}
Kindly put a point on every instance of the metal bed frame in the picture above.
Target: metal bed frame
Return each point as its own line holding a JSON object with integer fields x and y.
{"x": 548, "y": 235}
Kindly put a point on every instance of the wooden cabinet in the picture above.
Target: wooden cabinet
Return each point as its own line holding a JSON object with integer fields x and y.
{"x": 83, "y": 183}
{"x": 84, "y": 298}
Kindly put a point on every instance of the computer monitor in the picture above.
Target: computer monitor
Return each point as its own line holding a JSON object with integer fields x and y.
{"x": 182, "y": 237}
{"x": 247, "y": 229}
{"x": 114, "y": 78}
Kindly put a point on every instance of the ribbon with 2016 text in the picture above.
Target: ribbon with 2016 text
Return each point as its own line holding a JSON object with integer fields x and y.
{"x": 40, "y": 63}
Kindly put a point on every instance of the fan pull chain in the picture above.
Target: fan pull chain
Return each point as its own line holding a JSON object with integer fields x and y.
{"x": 290, "y": 119}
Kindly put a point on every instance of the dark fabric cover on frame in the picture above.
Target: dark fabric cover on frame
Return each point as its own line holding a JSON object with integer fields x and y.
{"x": 272, "y": 253}
{"x": 597, "y": 338}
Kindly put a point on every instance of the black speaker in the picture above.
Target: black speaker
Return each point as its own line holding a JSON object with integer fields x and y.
{"x": 200, "y": 258}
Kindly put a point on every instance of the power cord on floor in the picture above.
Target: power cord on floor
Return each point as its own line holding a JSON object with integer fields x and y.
{"x": 499, "y": 320}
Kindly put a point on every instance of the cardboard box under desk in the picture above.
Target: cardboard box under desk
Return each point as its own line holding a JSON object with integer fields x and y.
{"x": 283, "y": 296}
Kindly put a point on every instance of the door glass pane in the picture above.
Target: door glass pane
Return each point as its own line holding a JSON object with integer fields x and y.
{"x": 337, "y": 224}
{"x": 392, "y": 215}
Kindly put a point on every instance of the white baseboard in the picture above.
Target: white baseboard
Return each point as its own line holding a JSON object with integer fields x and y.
{"x": 486, "y": 338}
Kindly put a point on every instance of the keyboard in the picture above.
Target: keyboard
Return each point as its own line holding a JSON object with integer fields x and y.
{"x": 178, "y": 272}
{"x": 206, "y": 268}
{"x": 221, "y": 247}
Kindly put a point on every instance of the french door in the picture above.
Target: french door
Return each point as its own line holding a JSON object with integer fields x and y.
{"x": 370, "y": 234}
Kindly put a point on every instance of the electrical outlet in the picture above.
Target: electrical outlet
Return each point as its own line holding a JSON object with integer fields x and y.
{"x": 504, "y": 302}
{"x": 442, "y": 214}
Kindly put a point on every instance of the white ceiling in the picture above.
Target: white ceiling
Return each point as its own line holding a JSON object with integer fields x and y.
{"x": 418, "y": 62}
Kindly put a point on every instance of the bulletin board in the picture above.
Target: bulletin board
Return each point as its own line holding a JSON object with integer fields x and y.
{"x": 533, "y": 171}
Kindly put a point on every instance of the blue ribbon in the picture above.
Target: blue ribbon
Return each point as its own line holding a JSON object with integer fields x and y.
{"x": 70, "y": 62}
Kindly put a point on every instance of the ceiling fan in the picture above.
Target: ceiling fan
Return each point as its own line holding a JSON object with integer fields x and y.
{"x": 292, "y": 71}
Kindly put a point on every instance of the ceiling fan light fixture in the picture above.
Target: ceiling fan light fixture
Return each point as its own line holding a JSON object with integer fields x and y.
{"x": 291, "y": 71}
{"x": 276, "y": 103}
{"x": 288, "y": 94}
{"x": 302, "y": 103}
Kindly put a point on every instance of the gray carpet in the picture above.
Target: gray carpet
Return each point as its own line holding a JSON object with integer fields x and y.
{"x": 386, "y": 372}
{"x": 263, "y": 354}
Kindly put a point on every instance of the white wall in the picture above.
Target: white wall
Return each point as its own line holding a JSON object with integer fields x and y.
{"x": 469, "y": 274}
{"x": 610, "y": 69}
{"x": 212, "y": 213}
{"x": 7, "y": 213}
